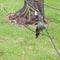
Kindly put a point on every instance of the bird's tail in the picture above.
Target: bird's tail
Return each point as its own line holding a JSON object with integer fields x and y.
{"x": 37, "y": 33}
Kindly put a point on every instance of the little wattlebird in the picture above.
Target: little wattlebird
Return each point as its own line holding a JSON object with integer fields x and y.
{"x": 39, "y": 24}
{"x": 39, "y": 27}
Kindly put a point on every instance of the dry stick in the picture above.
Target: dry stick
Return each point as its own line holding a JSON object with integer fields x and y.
{"x": 29, "y": 28}
{"x": 28, "y": 11}
{"x": 33, "y": 8}
{"x": 24, "y": 11}
{"x": 52, "y": 7}
{"x": 51, "y": 39}
{"x": 49, "y": 5}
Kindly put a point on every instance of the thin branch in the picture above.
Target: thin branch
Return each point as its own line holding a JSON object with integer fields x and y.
{"x": 48, "y": 5}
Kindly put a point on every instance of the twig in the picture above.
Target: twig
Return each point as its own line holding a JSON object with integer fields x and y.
{"x": 51, "y": 39}
{"x": 52, "y": 7}
{"x": 49, "y": 6}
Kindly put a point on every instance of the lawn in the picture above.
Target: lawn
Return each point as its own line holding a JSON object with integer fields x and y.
{"x": 18, "y": 43}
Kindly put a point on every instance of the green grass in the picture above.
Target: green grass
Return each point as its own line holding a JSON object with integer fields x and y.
{"x": 53, "y": 15}
{"x": 18, "y": 43}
